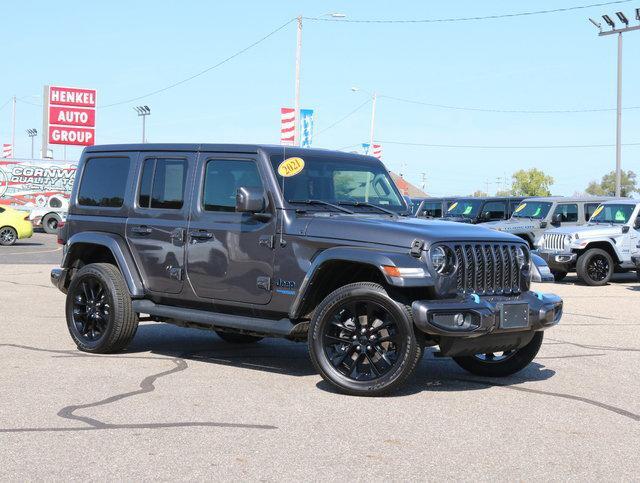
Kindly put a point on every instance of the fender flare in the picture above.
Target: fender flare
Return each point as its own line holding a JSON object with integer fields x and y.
{"x": 366, "y": 256}
{"x": 120, "y": 251}
{"x": 605, "y": 240}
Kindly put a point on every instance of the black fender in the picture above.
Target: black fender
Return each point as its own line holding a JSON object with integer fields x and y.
{"x": 118, "y": 248}
{"x": 367, "y": 256}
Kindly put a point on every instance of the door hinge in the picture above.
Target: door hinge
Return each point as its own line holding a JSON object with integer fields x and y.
{"x": 175, "y": 273}
{"x": 416, "y": 248}
{"x": 263, "y": 283}
{"x": 266, "y": 241}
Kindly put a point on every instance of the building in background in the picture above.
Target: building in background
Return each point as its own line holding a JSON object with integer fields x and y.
{"x": 407, "y": 188}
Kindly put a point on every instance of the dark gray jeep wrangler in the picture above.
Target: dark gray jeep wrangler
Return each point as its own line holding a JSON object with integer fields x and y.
{"x": 254, "y": 241}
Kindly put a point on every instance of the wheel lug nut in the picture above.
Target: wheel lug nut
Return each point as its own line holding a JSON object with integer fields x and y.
{"x": 358, "y": 348}
{"x": 354, "y": 337}
{"x": 372, "y": 337}
{"x": 363, "y": 331}
{"x": 368, "y": 347}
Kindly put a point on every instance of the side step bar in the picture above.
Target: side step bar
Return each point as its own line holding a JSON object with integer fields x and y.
{"x": 277, "y": 328}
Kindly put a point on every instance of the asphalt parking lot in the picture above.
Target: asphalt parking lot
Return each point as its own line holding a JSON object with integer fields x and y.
{"x": 183, "y": 404}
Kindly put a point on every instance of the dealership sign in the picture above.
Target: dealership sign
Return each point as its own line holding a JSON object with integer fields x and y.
{"x": 70, "y": 115}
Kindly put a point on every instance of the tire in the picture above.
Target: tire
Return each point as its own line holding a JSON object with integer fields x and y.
{"x": 595, "y": 267}
{"x": 50, "y": 223}
{"x": 558, "y": 276}
{"x": 385, "y": 350}
{"x": 237, "y": 338}
{"x": 513, "y": 362}
{"x": 99, "y": 314}
{"x": 8, "y": 236}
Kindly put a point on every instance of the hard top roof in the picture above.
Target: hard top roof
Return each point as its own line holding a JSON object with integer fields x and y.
{"x": 622, "y": 201}
{"x": 570, "y": 199}
{"x": 269, "y": 149}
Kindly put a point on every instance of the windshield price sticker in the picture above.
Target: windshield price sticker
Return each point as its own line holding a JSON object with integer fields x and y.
{"x": 453, "y": 206}
{"x": 467, "y": 210}
{"x": 521, "y": 207}
{"x": 290, "y": 167}
{"x": 597, "y": 212}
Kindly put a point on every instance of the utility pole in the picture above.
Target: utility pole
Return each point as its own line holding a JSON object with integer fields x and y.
{"x": 618, "y": 31}
{"x": 13, "y": 129}
{"x": 296, "y": 107}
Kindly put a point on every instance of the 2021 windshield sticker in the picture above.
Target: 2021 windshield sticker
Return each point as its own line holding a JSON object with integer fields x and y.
{"x": 290, "y": 167}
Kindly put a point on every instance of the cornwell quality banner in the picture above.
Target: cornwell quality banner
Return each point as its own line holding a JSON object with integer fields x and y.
{"x": 33, "y": 182}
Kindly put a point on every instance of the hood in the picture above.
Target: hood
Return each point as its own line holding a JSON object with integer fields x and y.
{"x": 458, "y": 219}
{"x": 589, "y": 231}
{"x": 399, "y": 231}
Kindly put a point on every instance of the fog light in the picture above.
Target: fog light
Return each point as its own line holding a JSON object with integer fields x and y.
{"x": 457, "y": 321}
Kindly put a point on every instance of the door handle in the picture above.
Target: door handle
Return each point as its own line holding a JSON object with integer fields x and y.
{"x": 141, "y": 230}
{"x": 201, "y": 235}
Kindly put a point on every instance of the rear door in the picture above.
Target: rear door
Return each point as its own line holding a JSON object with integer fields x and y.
{"x": 157, "y": 224}
{"x": 229, "y": 254}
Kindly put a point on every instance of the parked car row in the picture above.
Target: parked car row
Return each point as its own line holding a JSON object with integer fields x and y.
{"x": 594, "y": 236}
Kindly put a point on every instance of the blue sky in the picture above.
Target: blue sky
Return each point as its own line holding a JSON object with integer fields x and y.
{"x": 545, "y": 62}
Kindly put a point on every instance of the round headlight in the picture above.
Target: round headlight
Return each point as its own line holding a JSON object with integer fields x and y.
{"x": 439, "y": 259}
{"x": 520, "y": 257}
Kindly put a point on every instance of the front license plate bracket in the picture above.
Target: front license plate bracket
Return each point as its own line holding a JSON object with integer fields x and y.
{"x": 514, "y": 316}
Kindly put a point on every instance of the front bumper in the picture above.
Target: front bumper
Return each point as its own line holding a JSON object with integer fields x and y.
{"x": 562, "y": 262}
{"x": 484, "y": 316}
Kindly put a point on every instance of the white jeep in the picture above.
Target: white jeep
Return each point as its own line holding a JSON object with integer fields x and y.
{"x": 606, "y": 244}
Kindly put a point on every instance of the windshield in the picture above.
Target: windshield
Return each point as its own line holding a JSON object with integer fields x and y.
{"x": 342, "y": 181}
{"x": 532, "y": 209}
{"x": 612, "y": 214}
{"x": 464, "y": 208}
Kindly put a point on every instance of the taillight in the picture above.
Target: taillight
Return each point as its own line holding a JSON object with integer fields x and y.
{"x": 60, "y": 239}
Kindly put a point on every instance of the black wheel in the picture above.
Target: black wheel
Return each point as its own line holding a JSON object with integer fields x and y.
{"x": 595, "y": 267}
{"x": 100, "y": 317}
{"x": 558, "y": 275}
{"x": 237, "y": 338}
{"x": 362, "y": 341}
{"x": 8, "y": 236}
{"x": 50, "y": 223}
{"x": 501, "y": 364}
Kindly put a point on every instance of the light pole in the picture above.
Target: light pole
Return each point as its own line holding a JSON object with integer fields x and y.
{"x": 32, "y": 133}
{"x": 13, "y": 129}
{"x": 296, "y": 101}
{"x": 623, "y": 19}
{"x": 143, "y": 111}
{"x": 374, "y": 98}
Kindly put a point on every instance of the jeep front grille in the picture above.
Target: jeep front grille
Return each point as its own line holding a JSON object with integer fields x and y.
{"x": 487, "y": 268}
{"x": 554, "y": 241}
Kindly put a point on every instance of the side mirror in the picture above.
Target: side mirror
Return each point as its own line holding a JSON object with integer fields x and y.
{"x": 636, "y": 224}
{"x": 249, "y": 200}
{"x": 556, "y": 219}
{"x": 485, "y": 216}
{"x": 543, "y": 224}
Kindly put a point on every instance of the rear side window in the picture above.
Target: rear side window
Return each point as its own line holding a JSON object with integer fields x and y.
{"x": 222, "y": 180}
{"x": 569, "y": 212}
{"x": 162, "y": 184}
{"x": 589, "y": 208}
{"x": 104, "y": 182}
{"x": 496, "y": 209}
{"x": 431, "y": 209}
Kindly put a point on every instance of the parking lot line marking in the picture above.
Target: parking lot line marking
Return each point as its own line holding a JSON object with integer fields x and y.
{"x": 28, "y": 252}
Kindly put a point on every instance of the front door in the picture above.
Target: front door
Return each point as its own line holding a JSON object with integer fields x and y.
{"x": 568, "y": 213}
{"x": 229, "y": 254}
{"x": 157, "y": 224}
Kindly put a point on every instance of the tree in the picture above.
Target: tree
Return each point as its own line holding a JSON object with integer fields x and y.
{"x": 607, "y": 187}
{"x": 479, "y": 194}
{"x": 531, "y": 182}
{"x": 504, "y": 193}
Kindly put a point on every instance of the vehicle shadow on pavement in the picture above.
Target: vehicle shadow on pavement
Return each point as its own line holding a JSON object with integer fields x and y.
{"x": 269, "y": 355}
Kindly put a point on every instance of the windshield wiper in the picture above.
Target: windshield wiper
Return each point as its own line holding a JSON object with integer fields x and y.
{"x": 368, "y": 205}
{"x": 321, "y": 202}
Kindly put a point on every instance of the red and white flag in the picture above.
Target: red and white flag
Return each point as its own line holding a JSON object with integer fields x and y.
{"x": 377, "y": 151}
{"x": 7, "y": 151}
{"x": 287, "y": 126}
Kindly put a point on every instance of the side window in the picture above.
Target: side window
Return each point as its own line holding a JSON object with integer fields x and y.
{"x": 162, "y": 183}
{"x": 104, "y": 182}
{"x": 431, "y": 209}
{"x": 569, "y": 212}
{"x": 222, "y": 179}
{"x": 496, "y": 209}
{"x": 589, "y": 208}
{"x": 55, "y": 203}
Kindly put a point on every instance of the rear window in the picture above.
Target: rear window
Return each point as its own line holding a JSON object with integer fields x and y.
{"x": 104, "y": 182}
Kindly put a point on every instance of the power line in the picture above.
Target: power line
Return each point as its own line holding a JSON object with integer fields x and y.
{"x": 202, "y": 72}
{"x": 467, "y": 19}
{"x": 476, "y": 146}
{"x": 345, "y": 117}
{"x": 27, "y": 102}
{"x": 504, "y": 111}
{"x": 5, "y": 104}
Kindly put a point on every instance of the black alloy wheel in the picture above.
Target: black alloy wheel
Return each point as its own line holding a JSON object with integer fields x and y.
{"x": 362, "y": 341}
{"x": 91, "y": 309}
{"x": 598, "y": 268}
{"x": 595, "y": 267}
